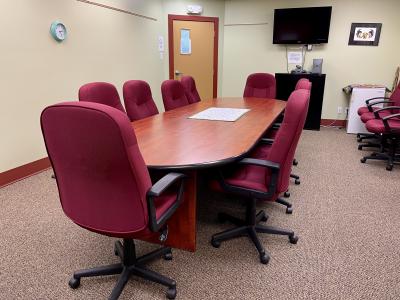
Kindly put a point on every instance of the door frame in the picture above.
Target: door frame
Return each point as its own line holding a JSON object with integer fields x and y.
{"x": 215, "y": 20}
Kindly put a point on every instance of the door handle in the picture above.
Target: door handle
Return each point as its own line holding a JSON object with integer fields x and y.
{"x": 177, "y": 73}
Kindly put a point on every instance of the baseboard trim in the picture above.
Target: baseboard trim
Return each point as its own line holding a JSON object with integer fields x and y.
{"x": 331, "y": 122}
{"x": 19, "y": 173}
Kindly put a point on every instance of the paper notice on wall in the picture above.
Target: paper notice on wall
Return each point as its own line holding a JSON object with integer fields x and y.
{"x": 295, "y": 57}
{"x": 186, "y": 43}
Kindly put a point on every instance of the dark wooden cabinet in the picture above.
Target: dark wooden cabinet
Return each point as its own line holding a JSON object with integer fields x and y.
{"x": 285, "y": 84}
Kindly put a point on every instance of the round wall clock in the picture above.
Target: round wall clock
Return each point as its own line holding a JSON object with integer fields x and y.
{"x": 58, "y": 31}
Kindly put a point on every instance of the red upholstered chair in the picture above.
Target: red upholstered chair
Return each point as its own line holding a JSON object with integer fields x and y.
{"x": 304, "y": 84}
{"x": 366, "y": 113}
{"x": 173, "y": 94}
{"x": 104, "y": 186}
{"x": 260, "y": 85}
{"x": 394, "y": 99}
{"x": 264, "y": 179}
{"x": 138, "y": 100}
{"x": 101, "y": 92}
{"x": 387, "y": 129}
{"x": 190, "y": 89}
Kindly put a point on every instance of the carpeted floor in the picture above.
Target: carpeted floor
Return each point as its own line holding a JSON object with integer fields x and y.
{"x": 345, "y": 213}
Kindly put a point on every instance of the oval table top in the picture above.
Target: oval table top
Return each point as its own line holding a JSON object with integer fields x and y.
{"x": 171, "y": 140}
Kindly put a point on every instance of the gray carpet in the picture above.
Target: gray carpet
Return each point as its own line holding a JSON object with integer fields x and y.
{"x": 346, "y": 214}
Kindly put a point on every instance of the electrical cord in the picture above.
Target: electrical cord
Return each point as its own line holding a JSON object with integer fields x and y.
{"x": 287, "y": 61}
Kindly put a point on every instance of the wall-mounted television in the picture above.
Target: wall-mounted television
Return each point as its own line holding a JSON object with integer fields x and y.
{"x": 307, "y": 25}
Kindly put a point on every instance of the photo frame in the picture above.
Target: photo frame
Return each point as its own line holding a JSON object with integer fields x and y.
{"x": 365, "y": 34}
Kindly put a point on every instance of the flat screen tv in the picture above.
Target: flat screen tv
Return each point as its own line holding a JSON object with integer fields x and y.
{"x": 308, "y": 25}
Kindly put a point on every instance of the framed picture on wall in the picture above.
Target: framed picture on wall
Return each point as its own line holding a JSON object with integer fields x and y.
{"x": 365, "y": 34}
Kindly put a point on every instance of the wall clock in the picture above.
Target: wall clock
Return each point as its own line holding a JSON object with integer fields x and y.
{"x": 58, "y": 31}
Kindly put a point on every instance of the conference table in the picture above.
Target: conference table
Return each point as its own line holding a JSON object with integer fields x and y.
{"x": 171, "y": 141}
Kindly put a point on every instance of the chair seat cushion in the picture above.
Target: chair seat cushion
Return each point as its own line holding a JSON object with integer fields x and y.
{"x": 362, "y": 110}
{"x": 370, "y": 115}
{"x": 261, "y": 151}
{"x": 377, "y": 126}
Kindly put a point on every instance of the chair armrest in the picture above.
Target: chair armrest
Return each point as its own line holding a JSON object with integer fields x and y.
{"x": 376, "y": 112}
{"x": 275, "y": 169}
{"x": 260, "y": 163}
{"x": 378, "y": 102}
{"x": 157, "y": 190}
{"x": 375, "y": 98}
{"x": 266, "y": 141}
{"x": 276, "y": 125}
{"x": 391, "y": 116}
{"x": 386, "y": 119}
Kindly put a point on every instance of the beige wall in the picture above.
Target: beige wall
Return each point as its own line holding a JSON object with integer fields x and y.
{"x": 36, "y": 71}
{"x": 249, "y": 49}
{"x": 104, "y": 45}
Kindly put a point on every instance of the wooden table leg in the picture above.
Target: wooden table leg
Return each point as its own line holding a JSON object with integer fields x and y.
{"x": 182, "y": 225}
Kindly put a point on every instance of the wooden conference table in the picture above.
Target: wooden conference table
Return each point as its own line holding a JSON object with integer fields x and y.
{"x": 171, "y": 141}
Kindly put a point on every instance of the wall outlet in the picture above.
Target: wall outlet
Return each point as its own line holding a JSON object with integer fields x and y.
{"x": 339, "y": 110}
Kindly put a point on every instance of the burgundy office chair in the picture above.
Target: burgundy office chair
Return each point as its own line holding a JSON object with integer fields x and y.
{"x": 387, "y": 128}
{"x": 190, "y": 89}
{"x": 138, "y": 100}
{"x": 101, "y": 92}
{"x": 173, "y": 94}
{"x": 366, "y": 113}
{"x": 304, "y": 84}
{"x": 264, "y": 179}
{"x": 104, "y": 186}
{"x": 260, "y": 85}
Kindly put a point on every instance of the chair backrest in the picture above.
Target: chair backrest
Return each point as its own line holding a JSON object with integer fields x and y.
{"x": 190, "y": 89}
{"x": 260, "y": 85}
{"x": 303, "y": 84}
{"x": 395, "y": 97}
{"x": 173, "y": 94}
{"x": 285, "y": 143}
{"x": 138, "y": 100}
{"x": 101, "y": 175}
{"x": 101, "y": 92}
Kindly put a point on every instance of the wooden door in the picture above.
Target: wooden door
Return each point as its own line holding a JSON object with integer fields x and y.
{"x": 194, "y": 51}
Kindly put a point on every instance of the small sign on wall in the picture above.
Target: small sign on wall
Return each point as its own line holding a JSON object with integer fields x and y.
{"x": 295, "y": 57}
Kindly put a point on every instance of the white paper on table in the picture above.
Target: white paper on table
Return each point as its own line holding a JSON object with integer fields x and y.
{"x": 295, "y": 57}
{"x": 220, "y": 114}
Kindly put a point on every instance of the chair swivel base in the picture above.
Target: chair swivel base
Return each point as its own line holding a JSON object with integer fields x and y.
{"x": 289, "y": 208}
{"x": 391, "y": 159}
{"x": 130, "y": 265}
{"x": 296, "y": 177}
{"x": 250, "y": 228}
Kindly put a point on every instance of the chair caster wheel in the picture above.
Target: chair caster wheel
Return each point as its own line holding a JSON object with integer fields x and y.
{"x": 359, "y": 147}
{"x": 171, "y": 293}
{"x": 264, "y": 258}
{"x": 286, "y": 195}
{"x": 293, "y": 239}
{"x": 74, "y": 282}
{"x": 363, "y": 160}
{"x": 297, "y": 182}
{"x": 264, "y": 219}
{"x": 168, "y": 256}
{"x": 215, "y": 244}
{"x": 389, "y": 168}
{"x": 295, "y": 162}
{"x": 289, "y": 210}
